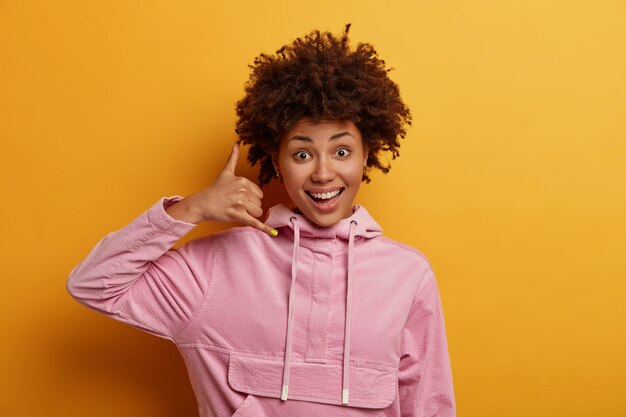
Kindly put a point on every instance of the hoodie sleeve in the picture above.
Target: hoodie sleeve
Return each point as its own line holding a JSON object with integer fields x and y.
{"x": 133, "y": 275}
{"x": 424, "y": 378}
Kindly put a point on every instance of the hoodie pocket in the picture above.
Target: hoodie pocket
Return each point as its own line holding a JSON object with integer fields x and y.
{"x": 273, "y": 407}
{"x": 371, "y": 388}
{"x": 254, "y": 406}
{"x": 242, "y": 409}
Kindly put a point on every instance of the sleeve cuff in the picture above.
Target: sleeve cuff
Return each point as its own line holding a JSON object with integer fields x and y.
{"x": 166, "y": 223}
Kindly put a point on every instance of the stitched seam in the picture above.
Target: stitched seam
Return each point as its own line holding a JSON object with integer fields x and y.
{"x": 418, "y": 395}
{"x": 278, "y": 359}
{"x": 333, "y": 400}
{"x": 399, "y": 245}
{"x": 310, "y": 312}
{"x": 415, "y": 297}
{"x": 331, "y": 305}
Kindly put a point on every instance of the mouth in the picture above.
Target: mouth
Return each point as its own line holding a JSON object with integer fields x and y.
{"x": 325, "y": 201}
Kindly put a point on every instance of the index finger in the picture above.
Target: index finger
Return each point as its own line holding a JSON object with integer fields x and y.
{"x": 257, "y": 224}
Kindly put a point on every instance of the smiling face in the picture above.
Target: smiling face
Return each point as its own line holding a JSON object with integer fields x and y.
{"x": 321, "y": 165}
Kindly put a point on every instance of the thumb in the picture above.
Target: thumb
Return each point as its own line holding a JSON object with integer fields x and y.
{"x": 231, "y": 163}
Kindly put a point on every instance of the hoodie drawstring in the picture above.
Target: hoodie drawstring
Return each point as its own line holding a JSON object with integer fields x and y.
{"x": 292, "y": 302}
{"x": 345, "y": 392}
{"x": 346, "y": 344}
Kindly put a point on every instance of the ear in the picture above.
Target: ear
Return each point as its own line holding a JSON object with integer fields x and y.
{"x": 276, "y": 166}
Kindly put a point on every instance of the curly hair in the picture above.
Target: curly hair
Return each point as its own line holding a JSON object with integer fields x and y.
{"x": 320, "y": 77}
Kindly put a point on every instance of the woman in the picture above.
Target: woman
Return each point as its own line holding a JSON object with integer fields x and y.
{"x": 314, "y": 312}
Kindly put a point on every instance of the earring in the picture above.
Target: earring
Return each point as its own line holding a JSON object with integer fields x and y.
{"x": 277, "y": 172}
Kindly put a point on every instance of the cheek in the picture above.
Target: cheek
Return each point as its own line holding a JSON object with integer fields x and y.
{"x": 293, "y": 178}
{"x": 354, "y": 174}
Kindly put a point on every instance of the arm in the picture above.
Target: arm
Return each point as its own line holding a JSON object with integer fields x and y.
{"x": 424, "y": 378}
{"x": 133, "y": 276}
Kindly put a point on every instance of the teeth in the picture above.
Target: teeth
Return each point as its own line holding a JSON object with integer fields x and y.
{"x": 325, "y": 196}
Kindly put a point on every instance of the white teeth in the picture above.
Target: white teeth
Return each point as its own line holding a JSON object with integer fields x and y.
{"x": 325, "y": 196}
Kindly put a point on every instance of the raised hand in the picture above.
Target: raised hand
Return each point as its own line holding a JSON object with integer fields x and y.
{"x": 228, "y": 199}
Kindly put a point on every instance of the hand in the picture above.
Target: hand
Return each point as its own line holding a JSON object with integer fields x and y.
{"x": 228, "y": 199}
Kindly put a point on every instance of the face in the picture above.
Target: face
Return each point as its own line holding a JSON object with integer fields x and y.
{"x": 321, "y": 165}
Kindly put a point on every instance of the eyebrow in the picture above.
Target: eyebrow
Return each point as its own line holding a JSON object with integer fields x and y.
{"x": 308, "y": 139}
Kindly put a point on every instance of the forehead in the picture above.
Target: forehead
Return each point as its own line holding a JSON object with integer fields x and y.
{"x": 321, "y": 130}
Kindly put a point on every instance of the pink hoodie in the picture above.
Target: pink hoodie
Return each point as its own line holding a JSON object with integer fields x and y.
{"x": 324, "y": 322}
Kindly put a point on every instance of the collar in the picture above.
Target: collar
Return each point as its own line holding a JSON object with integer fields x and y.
{"x": 280, "y": 216}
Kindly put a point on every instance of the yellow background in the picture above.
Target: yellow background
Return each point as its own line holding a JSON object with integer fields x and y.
{"x": 512, "y": 182}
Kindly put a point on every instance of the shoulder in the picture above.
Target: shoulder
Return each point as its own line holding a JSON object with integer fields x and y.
{"x": 405, "y": 265}
{"x": 407, "y": 250}
{"x": 401, "y": 250}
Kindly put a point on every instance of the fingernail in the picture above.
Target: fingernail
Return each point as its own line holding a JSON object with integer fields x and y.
{"x": 274, "y": 232}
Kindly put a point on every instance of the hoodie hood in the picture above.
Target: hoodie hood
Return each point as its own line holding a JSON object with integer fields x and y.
{"x": 359, "y": 224}
{"x": 280, "y": 216}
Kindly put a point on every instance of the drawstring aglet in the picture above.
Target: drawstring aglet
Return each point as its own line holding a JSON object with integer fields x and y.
{"x": 344, "y": 397}
{"x": 283, "y": 395}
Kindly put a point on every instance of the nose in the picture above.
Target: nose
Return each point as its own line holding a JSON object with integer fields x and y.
{"x": 323, "y": 172}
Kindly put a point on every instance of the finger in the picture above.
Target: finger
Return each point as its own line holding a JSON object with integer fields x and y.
{"x": 250, "y": 186}
{"x": 253, "y": 208}
{"x": 231, "y": 163}
{"x": 256, "y": 190}
{"x": 257, "y": 224}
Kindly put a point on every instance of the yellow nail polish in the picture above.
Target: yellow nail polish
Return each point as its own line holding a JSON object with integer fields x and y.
{"x": 274, "y": 232}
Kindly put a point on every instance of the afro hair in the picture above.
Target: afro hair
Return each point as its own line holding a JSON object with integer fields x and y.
{"x": 320, "y": 77}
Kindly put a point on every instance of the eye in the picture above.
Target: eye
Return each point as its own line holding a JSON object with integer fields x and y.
{"x": 301, "y": 155}
{"x": 342, "y": 152}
